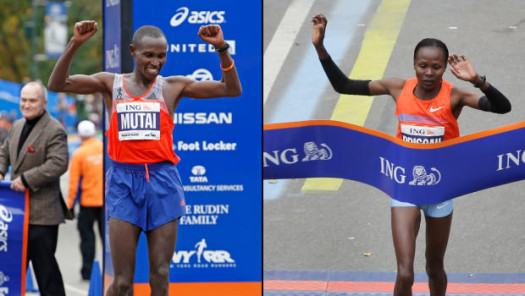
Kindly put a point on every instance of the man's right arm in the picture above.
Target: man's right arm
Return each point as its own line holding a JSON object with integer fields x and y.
{"x": 60, "y": 81}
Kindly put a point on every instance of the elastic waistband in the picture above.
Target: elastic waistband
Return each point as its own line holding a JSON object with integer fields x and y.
{"x": 141, "y": 167}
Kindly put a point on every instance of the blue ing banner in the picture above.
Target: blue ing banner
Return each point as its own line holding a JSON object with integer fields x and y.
{"x": 415, "y": 173}
{"x": 218, "y": 140}
{"x": 13, "y": 240}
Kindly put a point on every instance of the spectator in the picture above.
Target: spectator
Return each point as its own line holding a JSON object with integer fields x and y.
{"x": 85, "y": 180}
{"x": 36, "y": 150}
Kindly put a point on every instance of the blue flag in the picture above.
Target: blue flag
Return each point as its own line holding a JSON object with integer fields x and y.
{"x": 408, "y": 172}
{"x": 13, "y": 240}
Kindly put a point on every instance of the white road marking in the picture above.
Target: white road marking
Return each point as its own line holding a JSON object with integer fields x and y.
{"x": 282, "y": 42}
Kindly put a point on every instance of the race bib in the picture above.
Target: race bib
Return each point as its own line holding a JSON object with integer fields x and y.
{"x": 138, "y": 121}
{"x": 422, "y": 134}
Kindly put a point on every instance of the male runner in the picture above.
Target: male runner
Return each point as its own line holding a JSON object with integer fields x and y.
{"x": 143, "y": 187}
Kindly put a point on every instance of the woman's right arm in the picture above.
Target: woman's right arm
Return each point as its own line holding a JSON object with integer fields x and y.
{"x": 340, "y": 82}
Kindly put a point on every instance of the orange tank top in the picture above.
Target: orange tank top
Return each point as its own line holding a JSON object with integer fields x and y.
{"x": 422, "y": 121}
{"x": 140, "y": 129}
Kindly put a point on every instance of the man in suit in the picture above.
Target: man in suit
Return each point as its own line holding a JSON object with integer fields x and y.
{"x": 36, "y": 150}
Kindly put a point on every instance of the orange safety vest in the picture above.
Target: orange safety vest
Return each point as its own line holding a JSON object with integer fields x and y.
{"x": 87, "y": 162}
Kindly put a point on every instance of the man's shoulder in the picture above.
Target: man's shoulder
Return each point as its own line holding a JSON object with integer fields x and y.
{"x": 55, "y": 123}
{"x": 106, "y": 76}
{"x": 93, "y": 143}
{"x": 173, "y": 85}
{"x": 79, "y": 152}
{"x": 51, "y": 125}
{"x": 176, "y": 79}
{"x": 19, "y": 122}
{"x": 17, "y": 126}
{"x": 92, "y": 146}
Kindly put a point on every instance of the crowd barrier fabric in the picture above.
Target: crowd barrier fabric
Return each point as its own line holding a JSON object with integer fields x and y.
{"x": 14, "y": 218}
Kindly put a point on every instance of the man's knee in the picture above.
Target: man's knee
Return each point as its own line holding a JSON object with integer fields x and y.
{"x": 122, "y": 285}
{"x": 159, "y": 273}
{"x": 159, "y": 280}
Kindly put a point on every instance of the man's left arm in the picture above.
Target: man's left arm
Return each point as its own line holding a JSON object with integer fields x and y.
{"x": 229, "y": 85}
{"x": 55, "y": 164}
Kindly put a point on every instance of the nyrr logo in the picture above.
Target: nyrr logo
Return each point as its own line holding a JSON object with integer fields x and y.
{"x": 312, "y": 152}
{"x": 197, "y": 17}
{"x": 198, "y": 172}
{"x": 419, "y": 173}
{"x": 201, "y": 75}
{"x": 201, "y": 258}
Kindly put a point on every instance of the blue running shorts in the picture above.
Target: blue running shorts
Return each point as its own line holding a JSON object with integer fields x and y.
{"x": 147, "y": 196}
{"x": 438, "y": 210}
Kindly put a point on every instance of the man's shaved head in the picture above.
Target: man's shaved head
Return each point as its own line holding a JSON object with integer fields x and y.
{"x": 150, "y": 31}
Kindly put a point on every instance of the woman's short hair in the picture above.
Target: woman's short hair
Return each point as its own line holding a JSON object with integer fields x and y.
{"x": 431, "y": 42}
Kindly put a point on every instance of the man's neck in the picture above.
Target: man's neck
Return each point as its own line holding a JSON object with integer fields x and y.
{"x": 33, "y": 121}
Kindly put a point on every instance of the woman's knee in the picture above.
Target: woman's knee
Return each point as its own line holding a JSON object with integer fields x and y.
{"x": 435, "y": 267}
{"x": 405, "y": 276}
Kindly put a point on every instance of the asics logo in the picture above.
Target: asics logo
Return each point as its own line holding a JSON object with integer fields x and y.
{"x": 432, "y": 109}
{"x": 197, "y": 17}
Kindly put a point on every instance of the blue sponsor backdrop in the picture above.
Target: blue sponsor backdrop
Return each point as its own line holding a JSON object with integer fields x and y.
{"x": 218, "y": 140}
{"x": 12, "y": 249}
{"x": 419, "y": 176}
{"x": 112, "y": 63}
{"x": 112, "y": 32}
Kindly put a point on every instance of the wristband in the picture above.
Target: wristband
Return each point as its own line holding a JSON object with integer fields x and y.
{"x": 223, "y": 49}
{"x": 227, "y": 68}
{"x": 483, "y": 80}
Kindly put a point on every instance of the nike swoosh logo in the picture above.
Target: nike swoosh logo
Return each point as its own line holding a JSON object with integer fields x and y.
{"x": 434, "y": 110}
{"x": 439, "y": 207}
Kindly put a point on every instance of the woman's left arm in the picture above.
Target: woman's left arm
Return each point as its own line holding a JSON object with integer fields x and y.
{"x": 493, "y": 101}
